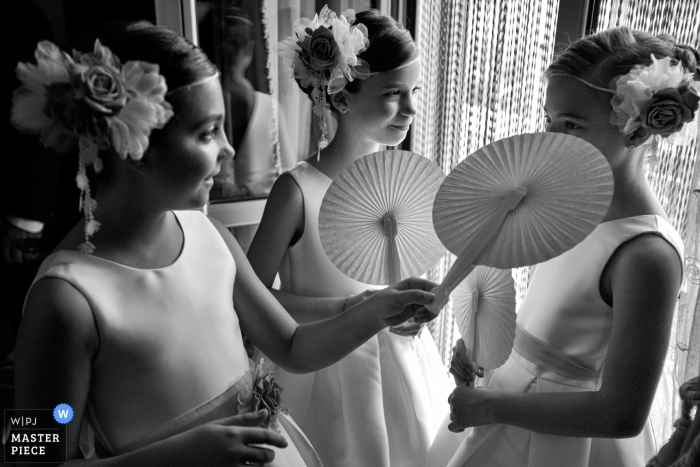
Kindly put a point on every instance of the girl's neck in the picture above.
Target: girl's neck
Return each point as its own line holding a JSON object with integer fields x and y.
{"x": 138, "y": 234}
{"x": 345, "y": 148}
{"x": 632, "y": 195}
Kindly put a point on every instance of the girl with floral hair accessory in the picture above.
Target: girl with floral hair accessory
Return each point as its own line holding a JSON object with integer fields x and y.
{"x": 593, "y": 330}
{"x": 143, "y": 338}
{"x": 381, "y": 405}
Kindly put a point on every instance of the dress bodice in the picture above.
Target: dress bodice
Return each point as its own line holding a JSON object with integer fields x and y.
{"x": 381, "y": 404}
{"x": 306, "y": 270}
{"x": 562, "y": 337}
{"x": 173, "y": 327}
{"x": 563, "y": 306}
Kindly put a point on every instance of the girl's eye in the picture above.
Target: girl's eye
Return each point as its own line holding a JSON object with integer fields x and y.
{"x": 547, "y": 121}
{"x": 210, "y": 134}
{"x": 571, "y": 126}
{"x": 394, "y": 92}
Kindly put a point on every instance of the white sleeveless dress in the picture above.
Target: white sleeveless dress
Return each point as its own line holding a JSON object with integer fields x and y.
{"x": 171, "y": 353}
{"x": 562, "y": 337}
{"x": 381, "y": 405}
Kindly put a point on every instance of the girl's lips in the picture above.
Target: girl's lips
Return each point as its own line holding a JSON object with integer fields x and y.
{"x": 400, "y": 127}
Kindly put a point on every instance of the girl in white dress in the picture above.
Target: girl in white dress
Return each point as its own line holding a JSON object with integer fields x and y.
{"x": 594, "y": 328}
{"x": 137, "y": 326}
{"x": 382, "y": 404}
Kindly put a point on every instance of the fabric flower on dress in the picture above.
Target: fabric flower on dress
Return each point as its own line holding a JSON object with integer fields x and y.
{"x": 93, "y": 101}
{"x": 661, "y": 97}
{"x": 323, "y": 54}
{"x": 265, "y": 393}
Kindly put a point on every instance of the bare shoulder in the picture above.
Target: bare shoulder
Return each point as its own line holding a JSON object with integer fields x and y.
{"x": 286, "y": 191}
{"x": 649, "y": 264}
{"x": 55, "y": 311}
{"x": 649, "y": 251}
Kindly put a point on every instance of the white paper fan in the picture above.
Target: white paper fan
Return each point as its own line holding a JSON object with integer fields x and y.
{"x": 375, "y": 221}
{"x": 484, "y": 309}
{"x": 520, "y": 201}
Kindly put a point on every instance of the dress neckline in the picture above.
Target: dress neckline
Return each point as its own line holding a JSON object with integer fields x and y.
{"x": 324, "y": 175}
{"x": 120, "y": 265}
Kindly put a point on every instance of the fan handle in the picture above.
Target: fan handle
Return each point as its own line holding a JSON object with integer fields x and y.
{"x": 410, "y": 327}
{"x": 392, "y": 256}
{"x": 464, "y": 264}
{"x": 471, "y": 338}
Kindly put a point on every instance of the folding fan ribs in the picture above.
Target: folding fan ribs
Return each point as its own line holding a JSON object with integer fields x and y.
{"x": 468, "y": 259}
{"x": 484, "y": 310}
{"x": 375, "y": 221}
{"x": 519, "y": 201}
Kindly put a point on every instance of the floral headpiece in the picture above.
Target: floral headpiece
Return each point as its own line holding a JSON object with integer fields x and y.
{"x": 661, "y": 97}
{"x": 92, "y": 100}
{"x": 324, "y": 56}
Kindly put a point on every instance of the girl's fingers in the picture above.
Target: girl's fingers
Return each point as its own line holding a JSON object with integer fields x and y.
{"x": 461, "y": 376}
{"x": 263, "y": 436}
{"x": 454, "y": 428}
{"x": 248, "y": 419}
{"x": 254, "y": 455}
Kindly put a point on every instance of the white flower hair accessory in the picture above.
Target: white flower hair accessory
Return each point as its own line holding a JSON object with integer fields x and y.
{"x": 92, "y": 100}
{"x": 661, "y": 97}
{"x": 324, "y": 55}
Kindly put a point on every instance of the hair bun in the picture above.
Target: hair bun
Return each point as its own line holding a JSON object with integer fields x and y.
{"x": 689, "y": 57}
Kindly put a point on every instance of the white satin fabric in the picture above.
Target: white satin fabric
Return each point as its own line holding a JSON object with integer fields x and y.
{"x": 564, "y": 328}
{"x": 382, "y": 404}
{"x": 171, "y": 353}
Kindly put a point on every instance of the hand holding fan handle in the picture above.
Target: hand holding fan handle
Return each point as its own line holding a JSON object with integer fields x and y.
{"x": 464, "y": 263}
{"x": 393, "y": 265}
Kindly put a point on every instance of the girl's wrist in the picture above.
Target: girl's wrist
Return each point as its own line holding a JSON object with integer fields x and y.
{"x": 494, "y": 407}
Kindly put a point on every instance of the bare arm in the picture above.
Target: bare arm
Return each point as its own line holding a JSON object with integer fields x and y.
{"x": 644, "y": 280}
{"x": 282, "y": 219}
{"x": 56, "y": 345}
{"x": 309, "y": 347}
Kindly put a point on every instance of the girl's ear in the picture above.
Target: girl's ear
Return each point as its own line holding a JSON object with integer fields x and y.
{"x": 339, "y": 101}
{"x": 137, "y": 166}
{"x": 637, "y": 137}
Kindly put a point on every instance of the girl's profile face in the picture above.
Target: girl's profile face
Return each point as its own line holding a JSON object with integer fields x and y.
{"x": 191, "y": 147}
{"x": 573, "y": 108}
{"x": 384, "y": 107}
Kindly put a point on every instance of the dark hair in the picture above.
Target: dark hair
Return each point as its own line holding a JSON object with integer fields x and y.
{"x": 390, "y": 45}
{"x": 600, "y": 57}
{"x": 181, "y": 63}
{"x": 226, "y": 25}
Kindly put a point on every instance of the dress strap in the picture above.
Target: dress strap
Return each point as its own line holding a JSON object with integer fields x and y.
{"x": 552, "y": 363}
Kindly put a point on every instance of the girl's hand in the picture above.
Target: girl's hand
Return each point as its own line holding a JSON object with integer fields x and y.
{"x": 399, "y": 302}
{"x": 461, "y": 367}
{"x": 469, "y": 407}
{"x": 234, "y": 441}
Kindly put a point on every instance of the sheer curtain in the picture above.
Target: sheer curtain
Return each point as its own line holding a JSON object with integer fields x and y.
{"x": 483, "y": 62}
{"x": 674, "y": 177}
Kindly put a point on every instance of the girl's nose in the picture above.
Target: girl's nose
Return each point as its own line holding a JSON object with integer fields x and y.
{"x": 409, "y": 107}
{"x": 227, "y": 151}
